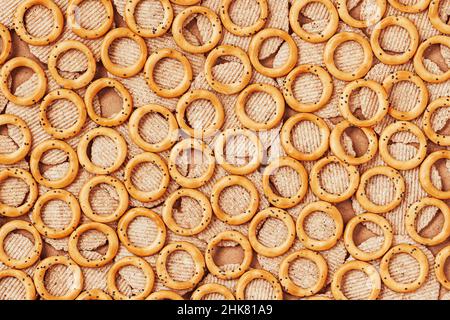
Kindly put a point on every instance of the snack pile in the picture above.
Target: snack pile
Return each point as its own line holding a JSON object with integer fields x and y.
{"x": 224, "y": 149}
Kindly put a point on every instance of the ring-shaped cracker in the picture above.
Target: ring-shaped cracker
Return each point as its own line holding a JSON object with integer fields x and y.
{"x": 439, "y": 267}
{"x": 33, "y": 97}
{"x": 158, "y": 162}
{"x": 120, "y": 189}
{"x": 115, "y": 69}
{"x": 335, "y": 42}
{"x": 246, "y": 261}
{"x": 435, "y": 18}
{"x": 420, "y": 68}
{"x": 376, "y": 16}
{"x": 72, "y": 20}
{"x": 74, "y": 98}
{"x": 288, "y": 145}
{"x": 157, "y": 243}
{"x": 417, "y": 254}
{"x": 383, "y": 103}
{"x": 25, "y": 280}
{"x": 256, "y": 274}
{"x": 22, "y": 151}
{"x": 219, "y": 113}
{"x": 379, "y": 220}
{"x": 278, "y": 200}
{"x": 33, "y": 192}
{"x": 86, "y": 139}
{"x": 290, "y": 286}
{"x": 21, "y": 29}
{"x": 228, "y": 50}
{"x": 246, "y": 120}
{"x": 427, "y": 124}
{"x": 321, "y": 193}
{"x": 248, "y": 168}
{"x": 184, "y": 181}
{"x": 178, "y": 26}
{"x": 255, "y": 48}
{"x": 5, "y": 36}
{"x": 137, "y": 262}
{"x": 153, "y": 32}
{"x": 316, "y": 244}
{"x": 164, "y": 295}
{"x": 71, "y": 202}
{"x": 163, "y": 273}
{"x": 425, "y": 174}
{"x": 418, "y": 6}
{"x": 81, "y": 81}
{"x": 212, "y": 288}
{"x": 168, "y": 208}
{"x": 394, "y": 176}
{"x": 113, "y": 245}
{"x": 71, "y": 172}
{"x": 94, "y": 294}
{"x": 31, "y": 257}
{"x": 243, "y": 31}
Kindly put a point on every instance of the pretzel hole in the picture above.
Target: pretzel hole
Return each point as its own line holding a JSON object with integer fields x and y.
{"x": 213, "y": 296}
{"x": 356, "y": 285}
{"x": 303, "y": 272}
{"x": 319, "y": 226}
{"x": 124, "y": 52}
{"x": 259, "y": 289}
{"x": 187, "y": 213}
{"x": 272, "y": 232}
{"x": 142, "y": 232}
{"x": 59, "y": 280}
{"x": 146, "y": 177}
{"x": 363, "y": 103}
{"x": 168, "y": 73}
{"x": 136, "y": 279}
{"x": 433, "y": 61}
{"x": 180, "y": 266}
{"x": 62, "y": 114}
{"x": 253, "y": 107}
{"x": 404, "y": 268}
{"x": 19, "y": 244}
{"x": 13, "y": 192}
{"x": 366, "y": 10}
{"x": 153, "y": 127}
{"x": 149, "y": 14}
{"x": 103, "y": 199}
{"x": 440, "y": 120}
{"x": 268, "y": 46}
{"x": 195, "y": 162}
{"x": 103, "y": 151}
{"x": 234, "y": 200}
{"x": 334, "y": 178}
{"x": 90, "y": 14}
{"x": 285, "y": 182}
{"x": 72, "y": 59}
{"x": 23, "y": 81}
{"x": 306, "y": 137}
{"x": 440, "y": 172}
{"x": 404, "y": 96}
{"x": 92, "y": 240}
{"x": 244, "y": 13}
{"x": 349, "y": 56}
{"x": 227, "y": 73}
{"x": 423, "y": 225}
{"x": 12, "y": 289}
{"x": 56, "y": 214}
{"x": 39, "y": 21}
{"x": 307, "y": 88}
{"x": 395, "y": 39}
{"x": 239, "y": 150}
{"x": 366, "y": 240}
{"x": 380, "y": 190}
{"x": 354, "y": 141}
{"x": 200, "y": 114}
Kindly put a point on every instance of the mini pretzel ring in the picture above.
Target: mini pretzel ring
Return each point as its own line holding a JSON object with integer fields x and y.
{"x": 32, "y": 256}
{"x": 219, "y": 115}
{"x": 72, "y": 203}
{"x": 72, "y": 20}
{"x": 417, "y": 254}
{"x": 168, "y": 207}
{"x": 229, "y": 236}
{"x": 315, "y": 244}
{"x": 34, "y": 96}
{"x": 248, "y": 168}
{"x": 277, "y": 200}
{"x": 350, "y": 245}
{"x": 243, "y": 31}
{"x": 163, "y": 273}
{"x": 395, "y": 177}
{"x": 321, "y": 193}
{"x": 324, "y": 34}
{"x": 138, "y": 263}
{"x": 257, "y": 274}
{"x": 81, "y": 81}
{"x": 335, "y": 42}
{"x": 37, "y": 154}
{"x": 27, "y": 282}
{"x": 427, "y": 125}
{"x": 439, "y": 267}
{"x": 167, "y": 142}
{"x": 93, "y": 294}
{"x": 77, "y": 276}
{"x": 159, "y": 30}
{"x": 435, "y": 18}
{"x": 21, "y": 30}
{"x": 383, "y": 101}
{"x": 294, "y": 289}
{"x": 22, "y": 151}
{"x": 178, "y": 26}
{"x": 325, "y": 79}
{"x": 123, "y": 72}
{"x": 149, "y": 70}
{"x": 212, "y": 288}
{"x": 196, "y": 145}
{"x": 61, "y": 94}
{"x": 118, "y": 118}
{"x": 425, "y": 174}
{"x": 158, "y": 162}
{"x": 83, "y": 145}
{"x": 273, "y": 213}
{"x": 229, "y": 181}
{"x": 245, "y": 119}
{"x": 5, "y": 35}
{"x": 113, "y": 245}
{"x": 394, "y": 59}
{"x": 336, "y": 284}
{"x": 404, "y": 75}
{"x": 418, "y": 60}
{"x": 386, "y": 135}
{"x": 164, "y": 295}
{"x": 288, "y": 145}
{"x": 86, "y": 204}
{"x": 122, "y": 231}
{"x": 33, "y": 192}
{"x": 411, "y": 217}
{"x": 339, "y": 151}
{"x": 418, "y": 6}
{"x": 255, "y": 47}
{"x": 345, "y": 15}
{"x": 227, "y": 50}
